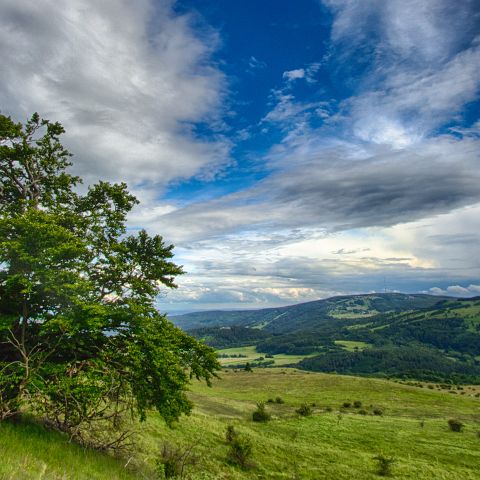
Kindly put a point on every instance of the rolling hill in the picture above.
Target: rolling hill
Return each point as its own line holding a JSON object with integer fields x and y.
{"x": 416, "y": 336}
{"x": 310, "y": 314}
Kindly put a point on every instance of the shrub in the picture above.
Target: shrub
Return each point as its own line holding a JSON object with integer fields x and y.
{"x": 305, "y": 410}
{"x": 378, "y": 411}
{"x": 231, "y": 434}
{"x": 260, "y": 414}
{"x": 247, "y": 367}
{"x": 279, "y": 400}
{"x": 240, "y": 452}
{"x": 173, "y": 460}
{"x": 347, "y": 404}
{"x": 357, "y": 403}
{"x": 270, "y": 400}
{"x": 328, "y": 409}
{"x": 362, "y": 412}
{"x": 455, "y": 425}
{"x": 384, "y": 468}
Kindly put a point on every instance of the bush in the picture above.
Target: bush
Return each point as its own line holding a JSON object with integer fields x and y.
{"x": 455, "y": 425}
{"x": 378, "y": 411}
{"x": 357, "y": 403}
{"x": 362, "y": 412}
{"x": 305, "y": 410}
{"x": 270, "y": 400}
{"x": 328, "y": 409}
{"x": 173, "y": 460}
{"x": 279, "y": 400}
{"x": 385, "y": 464}
{"x": 231, "y": 434}
{"x": 240, "y": 452}
{"x": 347, "y": 404}
{"x": 260, "y": 414}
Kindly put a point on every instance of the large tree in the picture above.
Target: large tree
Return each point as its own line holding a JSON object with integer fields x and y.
{"x": 81, "y": 339}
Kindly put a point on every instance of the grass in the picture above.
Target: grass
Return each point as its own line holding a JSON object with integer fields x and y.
{"x": 330, "y": 444}
{"x": 251, "y": 354}
{"x": 29, "y": 451}
{"x": 352, "y": 346}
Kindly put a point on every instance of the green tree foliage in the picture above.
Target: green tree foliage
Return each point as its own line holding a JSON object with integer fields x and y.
{"x": 79, "y": 331}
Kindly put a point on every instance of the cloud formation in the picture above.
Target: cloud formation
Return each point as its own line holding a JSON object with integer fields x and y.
{"x": 128, "y": 80}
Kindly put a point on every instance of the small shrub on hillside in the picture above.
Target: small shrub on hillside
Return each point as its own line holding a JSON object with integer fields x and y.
{"x": 422, "y": 423}
{"x": 270, "y": 400}
{"x": 328, "y": 409}
{"x": 305, "y": 410}
{"x": 173, "y": 460}
{"x": 269, "y": 355}
{"x": 378, "y": 411}
{"x": 455, "y": 425}
{"x": 247, "y": 367}
{"x": 231, "y": 434}
{"x": 279, "y": 400}
{"x": 357, "y": 403}
{"x": 260, "y": 414}
{"x": 362, "y": 411}
{"x": 240, "y": 452}
{"x": 347, "y": 404}
{"x": 385, "y": 464}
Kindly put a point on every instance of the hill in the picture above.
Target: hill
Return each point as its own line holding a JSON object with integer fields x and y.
{"x": 335, "y": 442}
{"x": 418, "y": 336}
{"x": 310, "y": 314}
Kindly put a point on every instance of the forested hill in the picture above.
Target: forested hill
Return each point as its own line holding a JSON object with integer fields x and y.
{"x": 420, "y": 336}
{"x": 309, "y": 315}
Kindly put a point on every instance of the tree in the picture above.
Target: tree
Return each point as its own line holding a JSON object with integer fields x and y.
{"x": 81, "y": 339}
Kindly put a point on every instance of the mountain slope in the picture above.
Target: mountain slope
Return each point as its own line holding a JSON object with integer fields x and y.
{"x": 308, "y": 315}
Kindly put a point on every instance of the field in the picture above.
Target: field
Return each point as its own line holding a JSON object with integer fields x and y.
{"x": 334, "y": 443}
{"x": 250, "y": 354}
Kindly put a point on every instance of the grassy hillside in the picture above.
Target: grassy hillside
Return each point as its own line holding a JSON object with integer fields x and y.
{"x": 330, "y": 444}
{"x": 334, "y": 443}
{"x": 29, "y": 451}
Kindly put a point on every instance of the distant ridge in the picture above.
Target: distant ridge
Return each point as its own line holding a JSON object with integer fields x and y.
{"x": 309, "y": 314}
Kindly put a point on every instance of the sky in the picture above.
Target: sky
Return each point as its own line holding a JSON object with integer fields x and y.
{"x": 290, "y": 151}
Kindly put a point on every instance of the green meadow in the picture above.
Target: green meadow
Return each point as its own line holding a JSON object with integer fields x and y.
{"x": 250, "y": 354}
{"x": 335, "y": 442}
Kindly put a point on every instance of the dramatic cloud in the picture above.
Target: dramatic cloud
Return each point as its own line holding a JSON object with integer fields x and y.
{"x": 355, "y": 170}
{"x": 340, "y": 189}
{"x": 127, "y": 79}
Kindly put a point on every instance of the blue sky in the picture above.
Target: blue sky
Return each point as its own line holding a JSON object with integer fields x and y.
{"x": 290, "y": 150}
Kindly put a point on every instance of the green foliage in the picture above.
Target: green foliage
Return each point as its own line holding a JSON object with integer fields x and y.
{"x": 357, "y": 404}
{"x": 173, "y": 461}
{"x": 81, "y": 339}
{"x": 305, "y": 410}
{"x": 455, "y": 425}
{"x": 240, "y": 449}
{"x": 385, "y": 464}
{"x": 261, "y": 414}
{"x": 403, "y": 361}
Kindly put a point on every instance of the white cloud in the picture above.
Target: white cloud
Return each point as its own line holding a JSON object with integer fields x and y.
{"x": 127, "y": 79}
{"x": 292, "y": 75}
{"x": 457, "y": 291}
